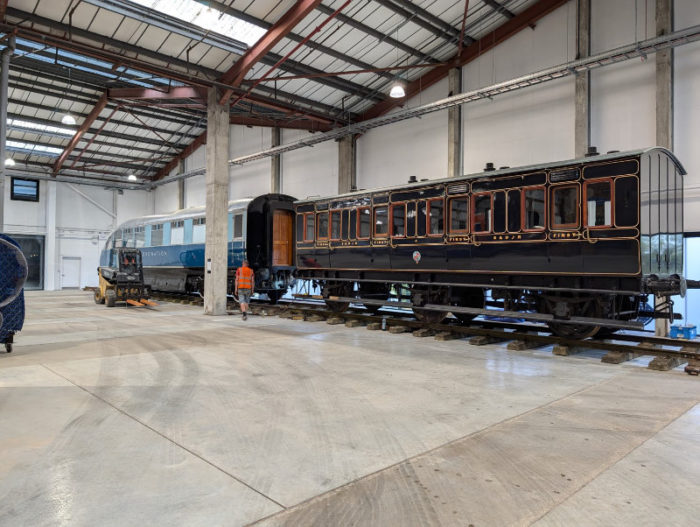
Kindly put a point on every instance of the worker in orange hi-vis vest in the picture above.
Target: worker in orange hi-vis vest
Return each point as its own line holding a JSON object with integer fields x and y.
{"x": 245, "y": 285}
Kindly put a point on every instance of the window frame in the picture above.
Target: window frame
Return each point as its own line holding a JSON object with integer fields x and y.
{"x": 358, "y": 232}
{"x": 428, "y": 216}
{"x": 330, "y": 225}
{"x": 552, "y": 202}
{"x": 523, "y": 208}
{"x": 318, "y": 224}
{"x": 374, "y": 217}
{"x": 473, "y": 216}
{"x": 18, "y": 197}
{"x": 306, "y": 230}
{"x": 611, "y": 185}
{"x": 464, "y": 197}
{"x": 391, "y": 219}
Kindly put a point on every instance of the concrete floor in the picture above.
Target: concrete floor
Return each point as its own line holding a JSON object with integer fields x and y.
{"x": 167, "y": 417}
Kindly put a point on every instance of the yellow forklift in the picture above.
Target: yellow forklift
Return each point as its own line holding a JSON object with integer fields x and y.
{"x": 122, "y": 280}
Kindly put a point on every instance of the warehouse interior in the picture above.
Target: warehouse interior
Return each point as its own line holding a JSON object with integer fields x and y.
{"x": 116, "y": 110}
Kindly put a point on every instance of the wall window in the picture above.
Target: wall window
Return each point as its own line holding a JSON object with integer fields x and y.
{"x": 335, "y": 225}
{"x": 310, "y": 226}
{"x": 364, "y": 221}
{"x": 458, "y": 214}
{"x": 381, "y": 221}
{"x": 140, "y": 236}
{"x": 436, "y": 225}
{"x": 199, "y": 230}
{"x": 481, "y": 215}
{"x": 565, "y": 206}
{"x": 598, "y": 204}
{"x": 24, "y": 189}
{"x": 534, "y": 209}
{"x": 157, "y": 234}
{"x": 398, "y": 220}
{"x": 322, "y": 223}
{"x": 514, "y": 219}
{"x": 238, "y": 226}
{"x": 177, "y": 232}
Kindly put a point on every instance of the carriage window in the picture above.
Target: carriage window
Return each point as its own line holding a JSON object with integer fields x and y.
{"x": 140, "y": 236}
{"x": 364, "y": 220}
{"x": 322, "y": 222}
{"x": 481, "y": 215}
{"x": 128, "y": 238}
{"x": 422, "y": 215}
{"x": 398, "y": 220}
{"x": 156, "y": 235}
{"x": 238, "y": 226}
{"x": 346, "y": 224}
{"x": 199, "y": 230}
{"x": 458, "y": 214}
{"x": 310, "y": 227}
{"x": 598, "y": 204}
{"x": 437, "y": 217}
{"x": 533, "y": 205}
{"x": 499, "y": 212}
{"x": 177, "y": 232}
{"x": 514, "y": 211}
{"x": 335, "y": 225}
{"x": 381, "y": 221}
{"x": 565, "y": 206}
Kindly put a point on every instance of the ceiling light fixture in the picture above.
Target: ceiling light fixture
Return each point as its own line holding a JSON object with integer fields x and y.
{"x": 68, "y": 120}
{"x": 9, "y": 162}
{"x": 132, "y": 177}
{"x": 397, "y": 90}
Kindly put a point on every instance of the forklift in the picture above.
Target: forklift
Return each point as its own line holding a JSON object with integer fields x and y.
{"x": 122, "y": 280}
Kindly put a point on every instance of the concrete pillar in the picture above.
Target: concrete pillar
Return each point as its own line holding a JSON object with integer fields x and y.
{"x": 4, "y": 80}
{"x": 582, "y": 119}
{"x": 347, "y": 168}
{"x": 180, "y": 186}
{"x": 454, "y": 126}
{"x": 276, "y": 163}
{"x": 50, "y": 252}
{"x": 217, "y": 180}
{"x": 664, "y": 105}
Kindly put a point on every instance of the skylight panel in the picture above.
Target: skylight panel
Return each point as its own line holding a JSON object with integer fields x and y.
{"x": 32, "y": 148}
{"x": 199, "y": 14}
{"x": 41, "y": 127}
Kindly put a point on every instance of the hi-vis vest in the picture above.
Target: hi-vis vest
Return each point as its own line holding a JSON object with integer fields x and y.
{"x": 244, "y": 278}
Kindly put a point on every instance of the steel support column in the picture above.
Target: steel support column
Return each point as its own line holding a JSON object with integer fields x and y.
{"x": 582, "y": 111}
{"x": 217, "y": 181}
{"x": 4, "y": 80}
{"x": 664, "y": 107}
{"x": 276, "y": 162}
{"x": 347, "y": 163}
{"x": 454, "y": 126}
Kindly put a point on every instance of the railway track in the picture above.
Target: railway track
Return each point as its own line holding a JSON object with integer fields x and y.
{"x": 668, "y": 353}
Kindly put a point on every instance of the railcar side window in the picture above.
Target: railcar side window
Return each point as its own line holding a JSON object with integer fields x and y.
{"x": 139, "y": 236}
{"x": 322, "y": 222}
{"x": 421, "y": 219}
{"x": 156, "y": 234}
{"x": 458, "y": 214}
{"x": 381, "y": 221}
{"x": 118, "y": 238}
{"x": 199, "y": 230}
{"x": 481, "y": 215}
{"x": 128, "y": 237}
{"x": 238, "y": 226}
{"x": 533, "y": 205}
{"x": 398, "y": 220}
{"x": 177, "y": 232}
{"x": 346, "y": 224}
{"x": 335, "y": 225}
{"x": 364, "y": 220}
{"x": 437, "y": 217}
{"x": 565, "y": 206}
{"x": 499, "y": 211}
{"x": 514, "y": 219}
{"x": 598, "y": 204}
{"x": 310, "y": 227}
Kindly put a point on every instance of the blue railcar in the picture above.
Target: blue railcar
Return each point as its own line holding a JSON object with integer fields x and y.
{"x": 172, "y": 245}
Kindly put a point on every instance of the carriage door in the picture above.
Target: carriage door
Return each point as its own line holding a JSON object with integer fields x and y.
{"x": 282, "y": 238}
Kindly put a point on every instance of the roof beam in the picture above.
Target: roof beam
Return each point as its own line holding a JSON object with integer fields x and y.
{"x": 188, "y": 150}
{"x": 469, "y": 53}
{"x": 179, "y": 92}
{"x": 87, "y": 123}
{"x": 3, "y": 10}
{"x": 498, "y": 8}
{"x": 419, "y": 16}
{"x": 277, "y": 32}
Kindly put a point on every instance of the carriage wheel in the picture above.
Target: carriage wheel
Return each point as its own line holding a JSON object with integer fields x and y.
{"x": 580, "y": 307}
{"x": 373, "y": 291}
{"x": 467, "y": 297}
{"x": 337, "y": 289}
{"x": 422, "y": 295}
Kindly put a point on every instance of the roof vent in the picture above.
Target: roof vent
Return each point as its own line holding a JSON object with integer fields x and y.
{"x": 412, "y": 179}
{"x": 425, "y": 179}
{"x": 502, "y": 168}
{"x": 489, "y": 167}
{"x": 592, "y": 151}
{"x": 612, "y": 151}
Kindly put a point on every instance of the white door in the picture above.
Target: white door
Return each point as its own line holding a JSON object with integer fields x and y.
{"x": 70, "y": 273}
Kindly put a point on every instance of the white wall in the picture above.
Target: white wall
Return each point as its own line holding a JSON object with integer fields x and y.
{"x": 309, "y": 171}
{"x": 165, "y": 198}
